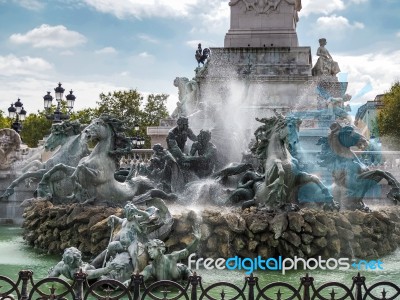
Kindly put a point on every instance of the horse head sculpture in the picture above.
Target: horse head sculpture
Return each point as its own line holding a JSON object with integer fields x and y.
{"x": 276, "y": 146}
{"x": 352, "y": 179}
{"x": 60, "y": 133}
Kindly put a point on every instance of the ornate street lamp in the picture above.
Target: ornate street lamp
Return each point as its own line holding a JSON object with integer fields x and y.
{"x": 137, "y": 141}
{"x": 57, "y": 115}
{"x": 16, "y": 111}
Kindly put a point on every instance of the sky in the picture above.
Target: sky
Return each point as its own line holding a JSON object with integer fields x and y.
{"x": 95, "y": 46}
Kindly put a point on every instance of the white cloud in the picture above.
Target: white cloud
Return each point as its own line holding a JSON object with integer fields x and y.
{"x": 336, "y": 24}
{"x": 326, "y": 7}
{"x": 11, "y": 65}
{"x": 106, "y": 50}
{"x": 398, "y": 34}
{"x": 145, "y": 55}
{"x": 30, "y": 4}
{"x": 216, "y": 22}
{"x": 46, "y": 36}
{"x": 367, "y": 69}
{"x": 321, "y": 7}
{"x": 142, "y": 8}
{"x": 67, "y": 53}
{"x": 147, "y": 38}
{"x": 32, "y": 90}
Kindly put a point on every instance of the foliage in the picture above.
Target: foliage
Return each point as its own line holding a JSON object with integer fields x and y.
{"x": 124, "y": 105}
{"x": 389, "y": 116}
{"x": 5, "y": 122}
{"x": 154, "y": 110}
{"x": 85, "y": 116}
{"x": 127, "y": 106}
{"x": 35, "y": 128}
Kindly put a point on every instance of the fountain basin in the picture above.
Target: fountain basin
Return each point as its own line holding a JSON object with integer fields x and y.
{"x": 227, "y": 232}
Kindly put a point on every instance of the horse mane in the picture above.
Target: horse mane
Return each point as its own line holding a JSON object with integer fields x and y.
{"x": 121, "y": 144}
{"x": 264, "y": 132}
{"x": 67, "y": 128}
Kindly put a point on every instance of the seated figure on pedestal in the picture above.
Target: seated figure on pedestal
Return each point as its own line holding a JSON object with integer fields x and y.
{"x": 181, "y": 133}
{"x": 204, "y": 162}
{"x": 325, "y": 64}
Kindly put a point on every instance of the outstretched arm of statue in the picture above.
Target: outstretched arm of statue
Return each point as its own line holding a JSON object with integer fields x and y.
{"x": 147, "y": 272}
{"x": 142, "y": 215}
{"x": 93, "y": 273}
{"x": 191, "y": 135}
{"x": 192, "y": 247}
{"x": 211, "y": 152}
{"x": 57, "y": 270}
{"x": 193, "y": 150}
{"x": 114, "y": 219}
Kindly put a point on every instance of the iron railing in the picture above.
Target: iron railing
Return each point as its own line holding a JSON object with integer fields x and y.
{"x": 56, "y": 288}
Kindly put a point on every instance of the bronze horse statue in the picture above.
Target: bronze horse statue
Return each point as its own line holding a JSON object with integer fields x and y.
{"x": 352, "y": 179}
{"x": 93, "y": 177}
{"x": 73, "y": 148}
{"x": 278, "y": 190}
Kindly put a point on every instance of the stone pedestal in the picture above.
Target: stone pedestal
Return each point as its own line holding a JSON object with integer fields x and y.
{"x": 263, "y": 23}
{"x": 254, "y": 81}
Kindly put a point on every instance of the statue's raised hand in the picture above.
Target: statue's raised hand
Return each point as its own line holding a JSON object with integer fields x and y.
{"x": 111, "y": 220}
{"x": 197, "y": 231}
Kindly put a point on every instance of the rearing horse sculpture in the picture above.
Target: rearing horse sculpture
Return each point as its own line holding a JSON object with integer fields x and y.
{"x": 73, "y": 148}
{"x": 94, "y": 175}
{"x": 352, "y": 179}
{"x": 282, "y": 174}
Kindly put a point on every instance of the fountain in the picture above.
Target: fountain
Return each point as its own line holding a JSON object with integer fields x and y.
{"x": 255, "y": 79}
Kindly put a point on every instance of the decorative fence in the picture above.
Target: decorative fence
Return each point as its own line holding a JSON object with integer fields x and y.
{"x": 55, "y": 288}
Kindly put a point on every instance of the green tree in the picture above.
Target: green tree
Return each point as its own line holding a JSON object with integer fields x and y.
{"x": 128, "y": 106}
{"x": 85, "y": 116}
{"x": 389, "y": 115}
{"x": 124, "y": 105}
{"x": 154, "y": 110}
{"x": 35, "y": 128}
{"x": 5, "y": 122}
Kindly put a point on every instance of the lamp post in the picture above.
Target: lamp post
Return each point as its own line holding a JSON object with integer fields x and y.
{"x": 16, "y": 111}
{"x": 58, "y": 116}
{"x": 137, "y": 141}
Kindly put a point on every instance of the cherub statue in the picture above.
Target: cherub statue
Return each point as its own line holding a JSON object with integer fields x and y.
{"x": 132, "y": 230}
{"x": 72, "y": 263}
{"x": 166, "y": 266}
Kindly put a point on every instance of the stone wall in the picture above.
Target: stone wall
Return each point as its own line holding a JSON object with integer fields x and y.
{"x": 227, "y": 232}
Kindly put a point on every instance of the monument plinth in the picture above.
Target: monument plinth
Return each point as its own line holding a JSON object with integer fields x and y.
{"x": 263, "y": 23}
